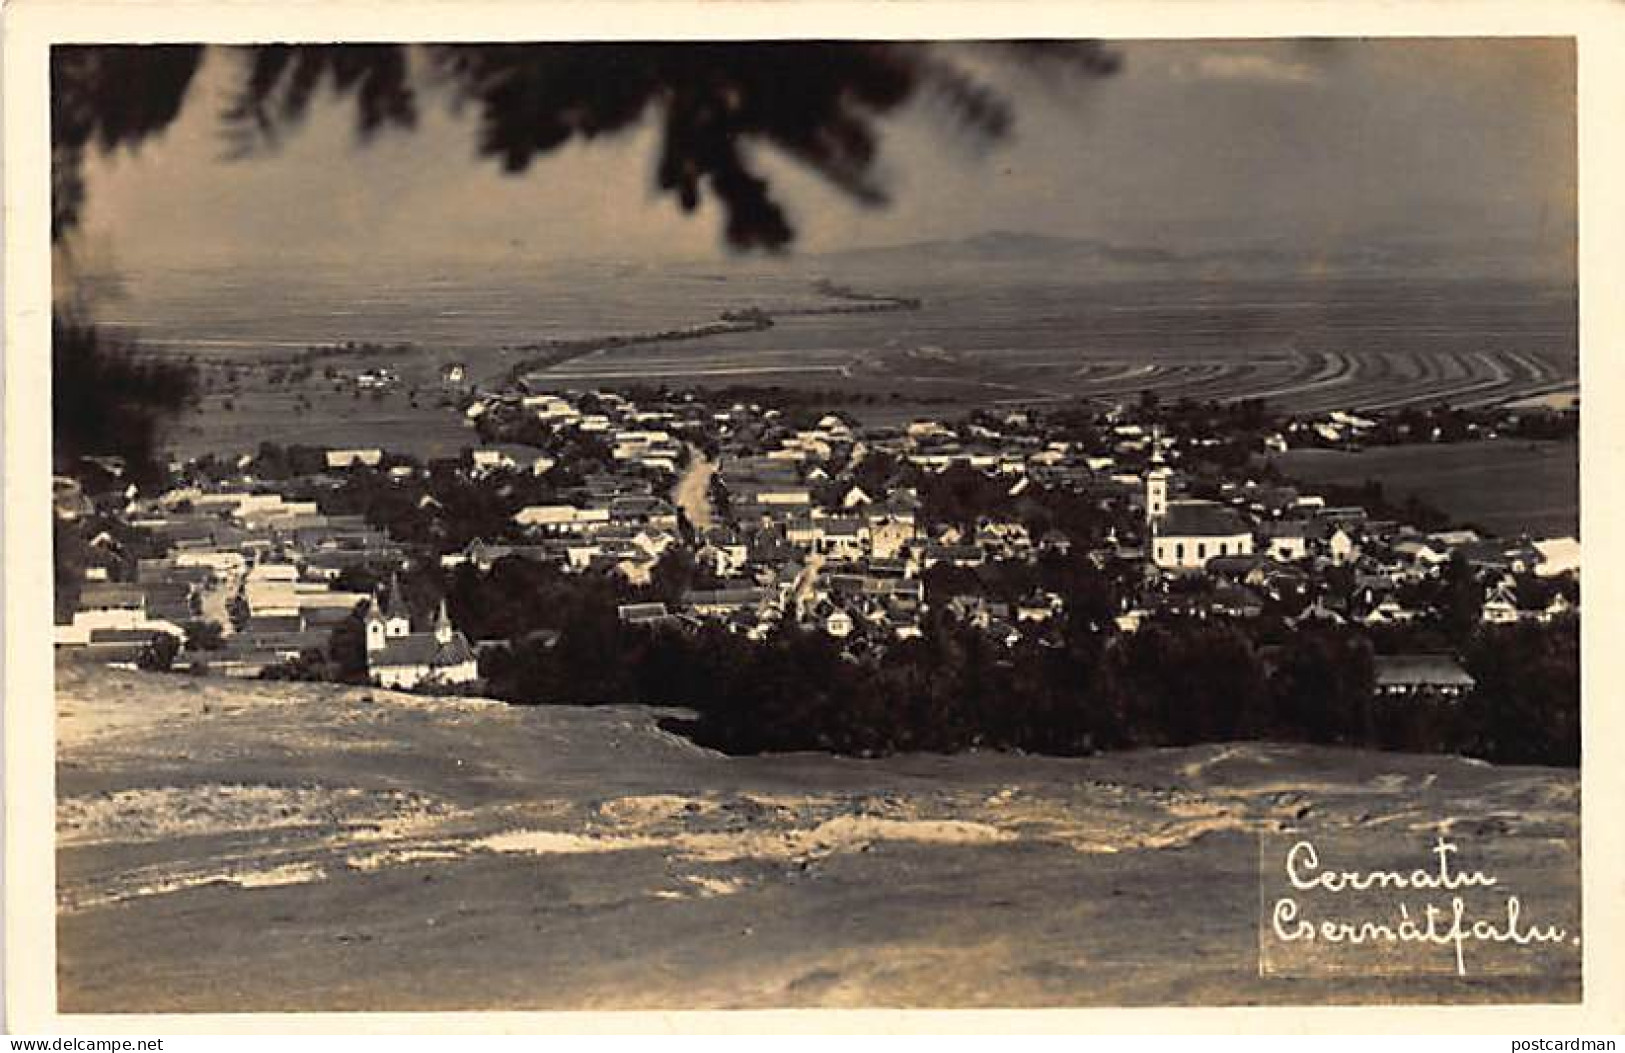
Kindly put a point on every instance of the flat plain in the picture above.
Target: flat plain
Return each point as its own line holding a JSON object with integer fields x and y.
{"x": 1507, "y": 486}
{"x": 981, "y": 336}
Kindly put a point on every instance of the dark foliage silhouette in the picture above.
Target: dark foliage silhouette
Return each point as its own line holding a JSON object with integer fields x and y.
{"x": 821, "y": 103}
{"x": 108, "y": 400}
{"x": 1176, "y": 682}
{"x": 109, "y": 98}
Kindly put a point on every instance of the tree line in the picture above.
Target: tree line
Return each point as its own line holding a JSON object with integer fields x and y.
{"x": 1075, "y": 690}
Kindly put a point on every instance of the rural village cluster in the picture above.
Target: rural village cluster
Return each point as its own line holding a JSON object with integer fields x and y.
{"x": 780, "y": 515}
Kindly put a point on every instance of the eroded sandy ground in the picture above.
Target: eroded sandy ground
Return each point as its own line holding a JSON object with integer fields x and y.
{"x": 249, "y": 847}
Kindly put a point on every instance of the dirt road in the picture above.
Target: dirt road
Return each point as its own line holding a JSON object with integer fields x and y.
{"x": 693, "y": 491}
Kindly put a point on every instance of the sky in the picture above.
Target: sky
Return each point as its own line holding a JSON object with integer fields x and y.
{"x": 1295, "y": 144}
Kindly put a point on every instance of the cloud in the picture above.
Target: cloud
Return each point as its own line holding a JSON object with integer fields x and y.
{"x": 1198, "y": 144}
{"x": 1250, "y": 66}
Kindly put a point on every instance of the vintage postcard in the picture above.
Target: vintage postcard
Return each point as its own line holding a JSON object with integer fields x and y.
{"x": 861, "y": 508}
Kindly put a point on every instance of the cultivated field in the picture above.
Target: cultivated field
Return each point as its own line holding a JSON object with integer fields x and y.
{"x": 1508, "y": 487}
{"x": 321, "y": 412}
{"x": 1295, "y": 381}
{"x": 256, "y": 847}
{"x": 1301, "y": 347}
{"x": 1030, "y": 336}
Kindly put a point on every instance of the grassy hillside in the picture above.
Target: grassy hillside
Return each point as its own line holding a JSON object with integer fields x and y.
{"x": 250, "y": 847}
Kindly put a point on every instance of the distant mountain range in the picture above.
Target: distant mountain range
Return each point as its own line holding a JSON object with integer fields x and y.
{"x": 1017, "y": 247}
{"x": 1180, "y": 254}
{"x": 1103, "y": 258}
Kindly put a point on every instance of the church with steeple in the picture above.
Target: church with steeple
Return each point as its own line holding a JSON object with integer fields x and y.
{"x": 1183, "y": 534}
{"x": 400, "y": 658}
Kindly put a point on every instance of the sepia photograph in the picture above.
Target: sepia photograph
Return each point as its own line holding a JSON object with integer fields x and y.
{"x": 762, "y": 524}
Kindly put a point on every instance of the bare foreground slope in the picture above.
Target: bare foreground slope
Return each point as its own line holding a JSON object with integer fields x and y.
{"x": 231, "y": 846}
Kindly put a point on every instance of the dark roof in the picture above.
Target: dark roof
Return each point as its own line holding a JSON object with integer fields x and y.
{"x": 1236, "y": 597}
{"x": 847, "y": 583}
{"x": 271, "y": 640}
{"x": 493, "y": 553}
{"x": 639, "y": 505}
{"x": 769, "y": 551}
{"x": 1274, "y": 496}
{"x": 238, "y": 659}
{"x": 1498, "y": 552}
{"x": 163, "y": 570}
{"x": 1201, "y": 519}
{"x": 1320, "y": 529}
{"x": 1291, "y": 528}
{"x": 118, "y": 636}
{"x": 326, "y": 616}
{"x": 275, "y": 623}
{"x": 1001, "y": 629}
{"x": 1420, "y": 670}
{"x": 841, "y": 525}
{"x": 422, "y": 649}
{"x": 116, "y": 652}
{"x": 1321, "y": 610}
{"x": 341, "y": 558}
{"x": 110, "y": 595}
{"x": 724, "y": 597}
{"x": 175, "y": 610}
{"x": 515, "y": 450}
{"x": 396, "y": 607}
{"x": 1236, "y": 564}
{"x": 195, "y": 527}
{"x": 903, "y": 498}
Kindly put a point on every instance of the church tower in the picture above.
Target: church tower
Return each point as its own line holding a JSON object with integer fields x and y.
{"x": 377, "y": 635}
{"x": 442, "y": 624}
{"x": 1156, "y": 485}
{"x": 397, "y": 618}
{"x": 1156, "y": 495}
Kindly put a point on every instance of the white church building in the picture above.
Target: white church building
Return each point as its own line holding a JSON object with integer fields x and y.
{"x": 397, "y": 657}
{"x": 1185, "y": 534}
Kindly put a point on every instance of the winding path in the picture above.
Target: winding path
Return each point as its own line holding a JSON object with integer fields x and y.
{"x": 693, "y": 491}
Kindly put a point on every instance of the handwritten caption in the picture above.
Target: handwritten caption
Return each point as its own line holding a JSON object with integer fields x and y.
{"x": 1391, "y": 904}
